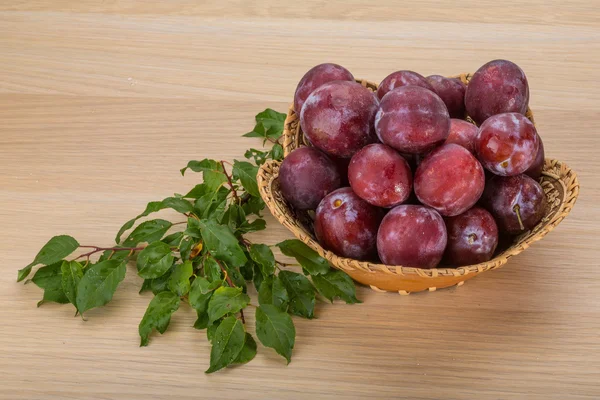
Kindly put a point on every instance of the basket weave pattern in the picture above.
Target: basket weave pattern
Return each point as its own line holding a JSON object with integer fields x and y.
{"x": 558, "y": 180}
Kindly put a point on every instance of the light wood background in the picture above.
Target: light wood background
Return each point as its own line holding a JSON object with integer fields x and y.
{"x": 101, "y": 103}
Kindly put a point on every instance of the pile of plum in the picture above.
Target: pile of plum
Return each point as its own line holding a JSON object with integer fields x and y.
{"x": 403, "y": 177}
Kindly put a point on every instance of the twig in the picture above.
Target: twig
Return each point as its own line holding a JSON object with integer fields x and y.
{"x": 284, "y": 264}
{"x": 235, "y": 195}
{"x": 114, "y": 249}
{"x": 192, "y": 215}
{"x": 230, "y": 283}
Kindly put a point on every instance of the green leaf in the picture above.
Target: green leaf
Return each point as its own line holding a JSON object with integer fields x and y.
{"x": 301, "y": 293}
{"x": 248, "y": 351}
{"x": 54, "y": 251}
{"x": 185, "y": 248}
{"x": 269, "y": 124}
{"x": 310, "y": 260}
{"x": 258, "y": 156}
{"x": 273, "y": 292}
{"x": 99, "y": 283}
{"x": 275, "y": 329}
{"x": 201, "y": 321}
{"x": 174, "y": 239}
{"x": 226, "y": 300}
{"x": 271, "y": 118}
{"x": 160, "y": 284}
{"x": 259, "y": 131}
{"x": 336, "y": 284}
{"x": 49, "y": 278}
{"x": 178, "y": 204}
{"x": 277, "y": 152}
{"x": 146, "y": 285}
{"x": 158, "y": 315}
{"x": 198, "y": 191}
{"x": 72, "y": 272}
{"x": 179, "y": 281}
{"x": 263, "y": 256}
{"x": 211, "y": 329}
{"x": 236, "y": 276}
{"x": 254, "y": 226}
{"x": 233, "y": 217}
{"x": 258, "y": 278}
{"x": 207, "y": 206}
{"x": 205, "y": 165}
{"x": 221, "y": 243}
{"x": 217, "y": 213}
{"x": 227, "y": 344}
{"x": 154, "y": 260}
{"x": 212, "y": 271}
{"x": 148, "y": 231}
{"x": 254, "y": 206}
{"x": 246, "y": 173}
{"x": 213, "y": 174}
{"x": 201, "y": 292}
{"x": 247, "y": 270}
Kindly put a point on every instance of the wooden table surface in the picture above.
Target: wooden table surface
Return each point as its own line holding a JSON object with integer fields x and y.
{"x": 101, "y": 103}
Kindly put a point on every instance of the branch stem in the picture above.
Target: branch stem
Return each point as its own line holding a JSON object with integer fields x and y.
{"x": 233, "y": 191}
{"x": 97, "y": 249}
{"x": 230, "y": 283}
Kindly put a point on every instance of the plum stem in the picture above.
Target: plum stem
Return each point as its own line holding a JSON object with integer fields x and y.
{"x": 472, "y": 238}
{"x": 231, "y": 188}
{"x": 517, "y": 210}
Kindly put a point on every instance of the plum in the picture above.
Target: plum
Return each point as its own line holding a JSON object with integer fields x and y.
{"x": 317, "y": 76}
{"x": 463, "y": 133}
{"x": 401, "y": 78}
{"x": 517, "y": 203}
{"x": 507, "y": 144}
{"x": 412, "y": 236}
{"x": 535, "y": 170}
{"x": 452, "y": 93}
{"x": 450, "y": 180}
{"x": 347, "y": 225}
{"x": 412, "y": 120}
{"x": 499, "y": 86}
{"x": 306, "y": 175}
{"x": 472, "y": 237}
{"x": 379, "y": 175}
{"x": 338, "y": 118}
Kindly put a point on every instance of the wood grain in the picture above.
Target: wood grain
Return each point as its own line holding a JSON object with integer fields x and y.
{"x": 102, "y": 102}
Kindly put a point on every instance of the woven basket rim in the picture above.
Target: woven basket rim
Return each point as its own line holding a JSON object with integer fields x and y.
{"x": 269, "y": 171}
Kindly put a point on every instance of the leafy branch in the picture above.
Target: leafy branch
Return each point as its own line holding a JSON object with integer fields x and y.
{"x": 207, "y": 265}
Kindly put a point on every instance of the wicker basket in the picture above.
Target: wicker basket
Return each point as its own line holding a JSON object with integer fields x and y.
{"x": 558, "y": 180}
